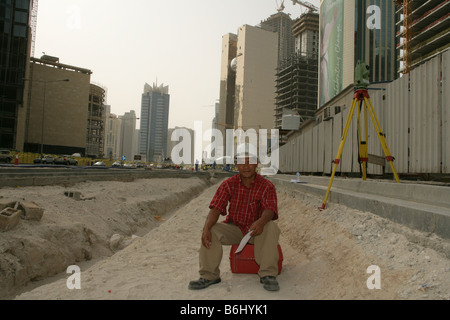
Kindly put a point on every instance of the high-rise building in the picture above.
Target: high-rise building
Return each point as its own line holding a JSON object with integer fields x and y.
{"x": 424, "y": 31}
{"x": 154, "y": 123}
{"x": 15, "y": 47}
{"x": 248, "y": 82}
{"x": 174, "y": 133}
{"x": 306, "y": 34}
{"x": 352, "y": 31}
{"x": 297, "y": 77}
{"x": 112, "y": 135}
{"x": 225, "y": 118}
{"x": 54, "y": 116}
{"x": 96, "y": 122}
{"x": 128, "y": 135}
{"x": 257, "y": 59}
{"x": 282, "y": 24}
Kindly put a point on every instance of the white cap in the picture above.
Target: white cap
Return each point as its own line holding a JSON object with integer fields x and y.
{"x": 246, "y": 151}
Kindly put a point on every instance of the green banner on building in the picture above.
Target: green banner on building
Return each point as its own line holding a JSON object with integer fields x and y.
{"x": 331, "y": 49}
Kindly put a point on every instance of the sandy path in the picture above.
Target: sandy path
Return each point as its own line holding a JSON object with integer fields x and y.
{"x": 326, "y": 257}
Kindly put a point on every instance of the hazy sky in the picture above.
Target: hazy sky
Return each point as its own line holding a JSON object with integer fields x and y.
{"x": 128, "y": 43}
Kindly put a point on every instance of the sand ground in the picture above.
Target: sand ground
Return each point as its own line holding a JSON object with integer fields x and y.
{"x": 139, "y": 240}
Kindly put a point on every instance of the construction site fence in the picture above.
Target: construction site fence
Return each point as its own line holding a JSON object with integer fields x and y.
{"x": 414, "y": 114}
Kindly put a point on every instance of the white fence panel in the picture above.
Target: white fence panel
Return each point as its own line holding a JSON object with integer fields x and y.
{"x": 303, "y": 156}
{"x": 328, "y": 142}
{"x": 337, "y": 135}
{"x": 320, "y": 147}
{"x": 373, "y": 143}
{"x": 445, "y": 85}
{"x": 309, "y": 149}
{"x": 425, "y": 118}
{"x": 315, "y": 149}
{"x": 396, "y": 122}
{"x": 347, "y": 153}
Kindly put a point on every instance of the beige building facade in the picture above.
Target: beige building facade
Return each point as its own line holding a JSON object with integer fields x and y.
{"x": 225, "y": 118}
{"x": 257, "y": 59}
{"x": 55, "y": 111}
{"x": 247, "y": 82}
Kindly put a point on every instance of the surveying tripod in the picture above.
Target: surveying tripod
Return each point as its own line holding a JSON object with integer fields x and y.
{"x": 361, "y": 96}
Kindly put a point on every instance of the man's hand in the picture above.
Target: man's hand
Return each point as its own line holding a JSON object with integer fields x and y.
{"x": 211, "y": 220}
{"x": 206, "y": 238}
{"x": 258, "y": 226}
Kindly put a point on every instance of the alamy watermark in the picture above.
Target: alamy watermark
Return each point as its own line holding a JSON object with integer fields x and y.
{"x": 222, "y": 150}
{"x": 74, "y": 281}
{"x": 374, "y": 281}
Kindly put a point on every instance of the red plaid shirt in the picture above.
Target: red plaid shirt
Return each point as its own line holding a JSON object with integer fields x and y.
{"x": 246, "y": 204}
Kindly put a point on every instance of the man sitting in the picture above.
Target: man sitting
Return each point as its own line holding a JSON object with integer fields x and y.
{"x": 252, "y": 208}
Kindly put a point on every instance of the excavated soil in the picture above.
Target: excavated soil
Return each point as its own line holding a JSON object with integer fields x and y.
{"x": 141, "y": 239}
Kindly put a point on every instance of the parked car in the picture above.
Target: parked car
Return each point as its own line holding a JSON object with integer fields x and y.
{"x": 5, "y": 156}
{"x": 99, "y": 164}
{"x": 46, "y": 159}
{"x": 116, "y": 164}
{"x": 66, "y": 160}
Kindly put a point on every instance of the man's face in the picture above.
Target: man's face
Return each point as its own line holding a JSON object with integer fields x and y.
{"x": 247, "y": 170}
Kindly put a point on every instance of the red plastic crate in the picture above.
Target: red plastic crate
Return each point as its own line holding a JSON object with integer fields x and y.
{"x": 244, "y": 261}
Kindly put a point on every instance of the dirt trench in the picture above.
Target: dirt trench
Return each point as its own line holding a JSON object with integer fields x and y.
{"x": 108, "y": 217}
{"x": 326, "y": 254}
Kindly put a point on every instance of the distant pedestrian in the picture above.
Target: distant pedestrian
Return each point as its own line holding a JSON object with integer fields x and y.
{"x": 196, "y": 165}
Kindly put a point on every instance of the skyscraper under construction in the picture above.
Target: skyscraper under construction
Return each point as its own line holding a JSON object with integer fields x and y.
{"x": 297, "y": 76}
{"x": 282, "y": 24}
{"x": 424, "y": 31}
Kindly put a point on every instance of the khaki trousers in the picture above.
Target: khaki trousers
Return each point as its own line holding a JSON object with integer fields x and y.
{"x": 266, "y": 249}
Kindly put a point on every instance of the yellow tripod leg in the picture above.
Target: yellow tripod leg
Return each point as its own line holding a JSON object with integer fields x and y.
{"x": 382, "y": 138}
{"x": 364, "y": 156}
{"x": 363, "y": 151}
{"x": 339, "y": 153}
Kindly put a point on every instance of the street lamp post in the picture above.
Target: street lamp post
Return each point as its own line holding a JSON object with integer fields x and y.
{"x": 43, "y": 107}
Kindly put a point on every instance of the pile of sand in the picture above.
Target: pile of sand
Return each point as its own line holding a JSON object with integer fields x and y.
{"x": 326, "y": 254}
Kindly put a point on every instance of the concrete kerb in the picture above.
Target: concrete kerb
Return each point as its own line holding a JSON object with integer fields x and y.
{"x": 397, "y": 207}
{"x": 422, "y": 193}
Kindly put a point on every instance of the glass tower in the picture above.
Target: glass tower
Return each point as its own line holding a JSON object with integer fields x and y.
{"x": 352, "y": 31}
{"x": 154, "y": 123}
{"x": 375, "y": 39}
{"x": 15, "y": 41}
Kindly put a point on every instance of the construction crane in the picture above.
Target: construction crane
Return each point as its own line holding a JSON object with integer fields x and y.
{"x": 281, "y": 7}
{"x": 33, "y": 22}
{"x": 310, "y": 6}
